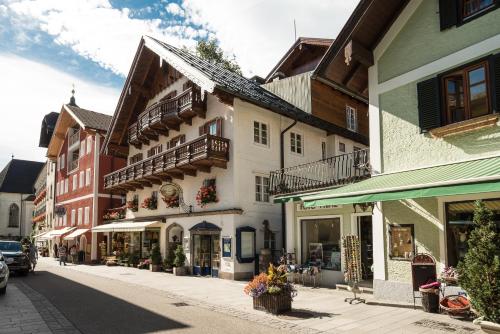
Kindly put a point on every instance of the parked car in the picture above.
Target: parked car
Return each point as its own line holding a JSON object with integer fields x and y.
{"x": 4, "y": 274}
{"x": 15, "y": 258}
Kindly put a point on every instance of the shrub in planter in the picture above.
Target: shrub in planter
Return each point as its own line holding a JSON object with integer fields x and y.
{"x": 168, "y": 262}
{"x": 479, "y": 272}
{"x": 179, "y": 261}
{"x": 155, "y": 258}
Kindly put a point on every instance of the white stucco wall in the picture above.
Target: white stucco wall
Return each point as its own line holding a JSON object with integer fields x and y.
{"x": 25, "y": 215}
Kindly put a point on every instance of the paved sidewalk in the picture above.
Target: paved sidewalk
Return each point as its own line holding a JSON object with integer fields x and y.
{"x": 314, "y": 310}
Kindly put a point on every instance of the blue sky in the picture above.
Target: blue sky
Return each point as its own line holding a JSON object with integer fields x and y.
{"x": 48, "y": 45}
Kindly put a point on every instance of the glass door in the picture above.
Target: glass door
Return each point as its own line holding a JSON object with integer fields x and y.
{"x": 201, "y": 254}
{"x": 366, "y": 241}
{"x": 216, "y": 249}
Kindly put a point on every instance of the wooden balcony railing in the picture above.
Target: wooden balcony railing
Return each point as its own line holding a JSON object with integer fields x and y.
{"x": 337, "y": 170}
{"x": 74, "y": 138}
{"x": 187, "y": 159}
{"x": 165, "y": 115}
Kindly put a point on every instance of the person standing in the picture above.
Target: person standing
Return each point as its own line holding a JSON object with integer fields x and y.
{"x": 55, "y": 251}
{"x": 62, "y": 254}
{"x": 33, "y": 255}
{"x": 72, "y": 253}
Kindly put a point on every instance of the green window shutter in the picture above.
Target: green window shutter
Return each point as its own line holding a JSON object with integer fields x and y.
{"x": 429, "y": 106}
{"x": 495, "y": 82}
{"x": 448, "y": 13}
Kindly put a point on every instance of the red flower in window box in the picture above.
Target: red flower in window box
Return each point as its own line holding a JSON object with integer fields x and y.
{"x": 171, "y": 202}
{"x": 150, "y": 203}
{"x": 206, "y": 194}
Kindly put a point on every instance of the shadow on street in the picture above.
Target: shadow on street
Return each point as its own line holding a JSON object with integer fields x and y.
{"x": 93, "y": 311}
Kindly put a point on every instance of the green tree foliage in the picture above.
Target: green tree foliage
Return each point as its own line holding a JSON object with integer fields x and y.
{"x": 169, "y": 259}
{"x": 211, "y": 51}
{"x": 180, "y": 257}
{"x": 156, "y": 255}
{"x": 479, "y": 272}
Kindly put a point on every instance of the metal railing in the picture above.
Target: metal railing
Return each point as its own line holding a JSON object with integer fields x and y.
{"x": 337, "y": 170}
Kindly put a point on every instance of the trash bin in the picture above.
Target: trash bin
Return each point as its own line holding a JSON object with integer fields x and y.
{"x": 430, "y": 300}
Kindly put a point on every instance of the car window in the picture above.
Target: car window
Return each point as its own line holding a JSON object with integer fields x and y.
{"x": 10, "y": 247}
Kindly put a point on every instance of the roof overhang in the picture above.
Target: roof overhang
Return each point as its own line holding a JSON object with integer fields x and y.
{"x": 65, "y": 120}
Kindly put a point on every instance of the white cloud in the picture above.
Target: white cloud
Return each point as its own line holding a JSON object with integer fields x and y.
{"x": 174, "y": 9}
{"x": 30, "y": 90}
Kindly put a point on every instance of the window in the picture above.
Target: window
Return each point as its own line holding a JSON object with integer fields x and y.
{"x": 466, "y": 93}
{"x": 13, "y": 215}
{"x": 82, "y": 148}
{"x": 154, "y": 150}
{"x": 213, "y": 127}
{"x": 342, "y": 147}
{"x": 471, "y": 7}
{"x": 51, "y": 188}
{"x": 135, "y": 158}
{"x": 87, "y": 177}
{"x": 351, "y": 118}
{"x": 401, "y": 242}
{"x": 57, "y": 188}
{"x": 89, "y": 144}
{"x": 73, "y": 217}
{"x": 245, "y": 244}
{"x": 321, "y": 243}
{"x": 63, "y": 159}
{"x": 65, "y": 220}
{"x": 260, "y": 133}
{"x": 261, "y": 189}
{"x": 75, "y": 182}
{"x": 176, "y": 141}
{"x": 58, "y": 163}
{"x": 296, "y": 143}
{"x": 323, "y": 150}
{"x": 80, "y": 216}
{"x": 82, "y": 179}
{"x": 66, "y": 185}
{"x": 87, "y": 215}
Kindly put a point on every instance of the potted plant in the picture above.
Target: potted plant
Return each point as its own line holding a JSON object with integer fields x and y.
{"x": 271, "y": 292}
{"x": 479, "y": 272}
{"x": 155, "y": 258}
{"x": 168, "y": 262}
{"x": 179, "y": 261}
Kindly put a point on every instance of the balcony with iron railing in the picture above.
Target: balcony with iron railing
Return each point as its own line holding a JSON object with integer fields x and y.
{"x": 333, "y": 171}
{"x": 198, "y": 155}
{"x": 165, "y": 115}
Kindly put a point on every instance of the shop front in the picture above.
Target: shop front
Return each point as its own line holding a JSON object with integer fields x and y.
{"x": 78, "y": 239}
{"x": 206, "y": 249}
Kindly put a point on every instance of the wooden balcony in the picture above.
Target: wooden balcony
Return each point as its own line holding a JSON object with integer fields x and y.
{"x": 165, "y": 115}
{"x": 198, "y": 155}
{"x": 333, "y": 171}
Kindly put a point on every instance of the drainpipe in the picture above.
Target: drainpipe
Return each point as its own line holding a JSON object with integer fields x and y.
{"x": 282, "y": 165}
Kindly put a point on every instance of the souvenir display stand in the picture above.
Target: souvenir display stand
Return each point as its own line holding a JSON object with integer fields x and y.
{"x": 352, "y": 260}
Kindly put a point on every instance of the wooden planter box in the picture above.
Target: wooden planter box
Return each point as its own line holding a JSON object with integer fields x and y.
{"x": 274, "y": 304}
{"x": 155, "y": 267}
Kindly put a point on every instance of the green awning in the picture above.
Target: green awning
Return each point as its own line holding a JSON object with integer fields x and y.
{"x": 470, "y": 177}
{"x": 286, "y": 198}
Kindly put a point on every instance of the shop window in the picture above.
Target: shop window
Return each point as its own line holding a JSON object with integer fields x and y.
{"x": 261, "y": 189}
{"x": 351, "y": 118}
{"x": 321, "y": 243}
{"x": 296, "y": 143}
{"x": 13, "y": 215}
{"x": 260, "y": 133}
{"x": 213, "y": 127}
{"x": 245, "y": 244}
{"x": 459, "y": 225}
{"x": 401, "y": 242}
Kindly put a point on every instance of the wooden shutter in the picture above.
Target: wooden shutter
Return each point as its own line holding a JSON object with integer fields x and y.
{"x": 494, "y": 65}
{"x": 448, "y": 13}
{"x": 429, "y": 106}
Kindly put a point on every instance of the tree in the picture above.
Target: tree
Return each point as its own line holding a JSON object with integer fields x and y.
{"x": 180, "y": 257}
{"x": 156, "y": 255}
{"x": 211, "y": 51}
{"x": 479, "y": 272}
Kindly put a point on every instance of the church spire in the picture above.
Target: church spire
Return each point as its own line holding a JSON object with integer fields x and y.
{"x": 72, "y": 100}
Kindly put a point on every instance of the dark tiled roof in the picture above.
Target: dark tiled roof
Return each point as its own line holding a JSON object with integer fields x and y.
{"x": 251, "y": 91}
{"x": 48, "y": 125}
{"x": 19, "y": 176}
{"x": 91, "y": 119}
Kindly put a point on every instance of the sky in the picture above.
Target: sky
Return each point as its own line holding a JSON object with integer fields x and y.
{"x": 47, "y": 46}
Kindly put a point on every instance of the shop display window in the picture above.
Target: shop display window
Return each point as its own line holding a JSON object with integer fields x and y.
{"x": 321, "y": 243}
{"x": 401, "y": 242}
{"x": 459, "y": 224}
{"x": 245, "y": 244}
{"x": 149, "y": 239}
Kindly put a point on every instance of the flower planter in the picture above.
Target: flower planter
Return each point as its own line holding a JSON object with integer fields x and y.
{"x": 488, "y": 326}
{"x": 155, "y": 267}
{"x": 273, "y": 303}
{"x": 180, "y": 271}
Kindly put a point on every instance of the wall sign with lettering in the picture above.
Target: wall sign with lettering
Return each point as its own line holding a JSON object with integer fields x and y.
{"x": 226, "y": 247}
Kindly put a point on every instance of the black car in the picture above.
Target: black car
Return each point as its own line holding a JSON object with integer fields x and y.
{"x": 15, "y": 258}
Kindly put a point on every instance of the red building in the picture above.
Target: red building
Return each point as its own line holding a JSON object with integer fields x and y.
{"x": 80, "y": 203}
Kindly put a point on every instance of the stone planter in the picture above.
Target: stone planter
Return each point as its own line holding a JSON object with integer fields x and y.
{"x": 155, "y": 267}
{"x": 180, "y": 271}
{"x": 274, "y": 304}
{"x": 488, "y": 326}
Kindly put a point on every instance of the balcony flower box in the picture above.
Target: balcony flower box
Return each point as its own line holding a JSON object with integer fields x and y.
{"x": 150, "y": 203}
{"x": 133, "y": 205}
{"x": 207, "y": 194}
{"x": 171, "y": 202}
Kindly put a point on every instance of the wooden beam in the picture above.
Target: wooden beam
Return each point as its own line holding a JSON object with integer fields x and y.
{"x": 141, "y": 90}
{"x": 118, "y": 148}
{"x": 355, "y": 51}
{"x": 350, "y": 75}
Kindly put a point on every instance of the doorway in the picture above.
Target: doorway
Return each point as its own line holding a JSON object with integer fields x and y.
{"x": 206, "y": 254}
{"x": 365, "y": 235}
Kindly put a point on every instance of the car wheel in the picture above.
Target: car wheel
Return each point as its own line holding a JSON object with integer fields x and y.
{"x": 3, "y": 290}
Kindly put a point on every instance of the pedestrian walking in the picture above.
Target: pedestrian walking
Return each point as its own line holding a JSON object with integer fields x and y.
{"x": 73, "y": 254}
{"x": 62, "y": 254}
{"x": 55, "y": 251}
{"x": 33, "y": 256}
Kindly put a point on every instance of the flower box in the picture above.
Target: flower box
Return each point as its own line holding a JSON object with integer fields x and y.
{"x": 273, "y": 303}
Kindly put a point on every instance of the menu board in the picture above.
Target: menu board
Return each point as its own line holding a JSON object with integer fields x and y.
{"x": 401, "y": 242}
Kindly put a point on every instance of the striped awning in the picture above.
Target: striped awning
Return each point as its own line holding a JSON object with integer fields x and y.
{"x": 60, "y": 232}
{"x": 75, "y": 234}
{"x": 129, "y": 226}
{"x": 469, "y": 177}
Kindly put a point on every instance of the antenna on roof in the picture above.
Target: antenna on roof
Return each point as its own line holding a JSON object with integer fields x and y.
{"x": 294, "y": 31}
{"x": 72, "y": 100}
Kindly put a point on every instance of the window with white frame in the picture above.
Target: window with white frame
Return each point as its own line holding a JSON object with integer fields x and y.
{"x": 80, "y": 216}
{"x": 261, "y": 188}
{"x": 57, "y": 188}
{"x": 73, "y": 217}
{"x": 351, "y": 118}
{"x": 65, "y": 219}
{"x": 86, "y": 219}
{"x": 296, "y": 143}
{"x": 66, "y": 185}
{"x": 89, "y": 144}
{"x": 87, "y": 177}
{"x": 82, "y": 148}
{"x": 63, "y": 160}
{"x": 82, "y": 179}
{"x": 260, "y": 133}
{"x": 75, "y": 182}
